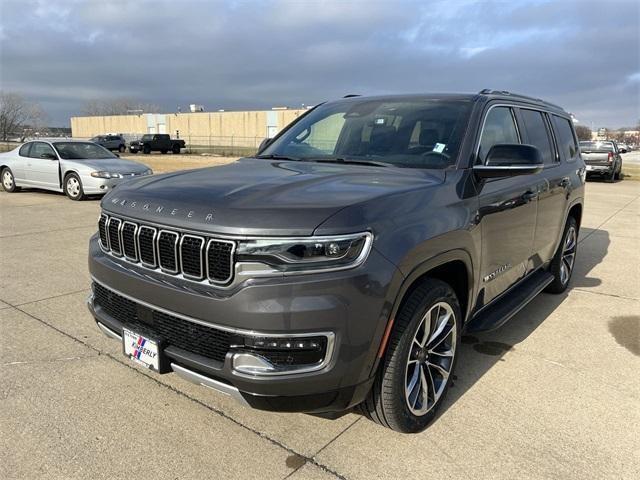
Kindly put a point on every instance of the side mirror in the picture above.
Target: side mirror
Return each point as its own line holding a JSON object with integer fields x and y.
{"x": 48, "y": 156}
{"x": 264, "y": 144}
{"x": 510, "y": 160}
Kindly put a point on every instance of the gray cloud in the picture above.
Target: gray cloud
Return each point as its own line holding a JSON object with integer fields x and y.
{"x": 583, "y": 55}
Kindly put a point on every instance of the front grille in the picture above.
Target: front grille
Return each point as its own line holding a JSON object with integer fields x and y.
{"x": 167, "y": 251}
{"x": 219, "y": 260}
{"x": 102, "y": 230}
{"x": 192, "y": 337}
{"x": 146, "y": 245}
{"x": 191, "y": 249}
{"x": 114, "y": 235}
{"x": 129, "y": 241}
{"x": 195, "y": 257}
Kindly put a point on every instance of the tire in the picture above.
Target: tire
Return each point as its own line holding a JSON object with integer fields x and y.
{"x": 564, "y": 259}
{"x": 8, "y": 181}
{"x": 121, "y": 148}
{"x": 175, "y": 149}
{"x": 163, "y": 152}
{"x": 610, "y": 178}
{"x": 146, "y": 150}
{"x": 73, "y": 187}
{"x": 405, "y": 363}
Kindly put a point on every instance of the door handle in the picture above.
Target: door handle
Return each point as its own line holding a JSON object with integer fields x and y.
{"x": 530, "y": 195}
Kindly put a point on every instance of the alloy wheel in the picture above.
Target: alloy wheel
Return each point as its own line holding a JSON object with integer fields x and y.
{"x": 430, "y": 358}
{"x": 568, "y": 255}
{"x": 73, "y": 186}
{"x": 7, "y": 180}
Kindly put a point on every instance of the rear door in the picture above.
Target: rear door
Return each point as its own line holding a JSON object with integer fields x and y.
{"x": 40, "y": 170}
{"x": 552, "y": 184}
{"x": 507, "y": 211}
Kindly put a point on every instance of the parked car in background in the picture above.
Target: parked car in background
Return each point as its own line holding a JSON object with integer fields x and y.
{"x": 623, "y": 148}
{"x": 156, "y": 142}
{"x": 73, "y": 167}
{"x": 340, "y": 266}
{"x": 110, "y": 142}
{"x": 602, "y": 158}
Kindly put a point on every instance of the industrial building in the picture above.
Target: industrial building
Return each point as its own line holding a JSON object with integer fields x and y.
{"x": 233, "y": 132}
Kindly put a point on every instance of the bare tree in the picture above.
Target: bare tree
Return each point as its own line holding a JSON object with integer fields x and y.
{"x": 14, "y": 113}
{"x": 117, "y": 106}
{"x": 584, "y": 133}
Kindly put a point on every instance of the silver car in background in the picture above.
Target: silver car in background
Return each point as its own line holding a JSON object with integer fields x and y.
{"x": 75, "y": 168}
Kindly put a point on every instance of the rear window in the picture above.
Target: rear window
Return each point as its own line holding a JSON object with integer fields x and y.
{"x": 592, "y": 146}
{"x": 537, "y": 134}
{"x": 566, "y": 140}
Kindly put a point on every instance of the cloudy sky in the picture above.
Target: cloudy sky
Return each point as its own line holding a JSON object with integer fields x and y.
{"x": 583, "y": 54}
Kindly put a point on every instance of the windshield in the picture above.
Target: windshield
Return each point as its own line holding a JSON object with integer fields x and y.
{"x": 96, "y": 139}
{"x": 146, "y": 138}
{"x": 606, "y": 146}
{"x": 82, "y": 150}
{"x": 416, "y": 133}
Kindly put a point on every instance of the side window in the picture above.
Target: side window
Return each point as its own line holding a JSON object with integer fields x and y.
{"x": 499, "y": 127}
{"x": 566, "y": 140}
{"x": 39, "y": 148}
{"x": 537, "y": 134}
{"x": 24, "y": 150}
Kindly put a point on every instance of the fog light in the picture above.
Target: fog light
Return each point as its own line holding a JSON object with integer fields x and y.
{"x": 281, "y": 355}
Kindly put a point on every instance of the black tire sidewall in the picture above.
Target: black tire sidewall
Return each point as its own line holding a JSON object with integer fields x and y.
{"x": 397, "y": 356}
{"x": 557, "y": 286}
{"x": 66, "y": 192}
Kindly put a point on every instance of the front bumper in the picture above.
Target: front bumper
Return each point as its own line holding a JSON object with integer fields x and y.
{"x": 98, "y": 186}
{"x": 352, "y": 305}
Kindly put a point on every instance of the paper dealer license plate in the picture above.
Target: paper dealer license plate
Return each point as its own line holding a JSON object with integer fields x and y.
{"x": 141, "y": 349}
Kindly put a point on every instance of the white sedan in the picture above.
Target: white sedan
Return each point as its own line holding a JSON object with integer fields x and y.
{"x": 73, "y": 167}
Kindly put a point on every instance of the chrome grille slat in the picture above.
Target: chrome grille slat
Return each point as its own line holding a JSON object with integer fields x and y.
{"x": 186, "y": 255}
{"x": 129, "y": 244}
{"x": 115, "y": 245}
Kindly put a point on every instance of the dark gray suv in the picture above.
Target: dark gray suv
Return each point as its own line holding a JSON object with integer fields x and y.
{"x": 340, "y": 265}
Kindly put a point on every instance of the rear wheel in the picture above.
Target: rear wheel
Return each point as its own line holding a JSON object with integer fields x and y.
{"x": 73, "y": 187}
{"x": 8, "y": 181}
{"x": 563, "y": 261}
{"x": 121, "y": 149}
{"x": 175, "y": 149}
{"x": 611, "y": 177}
{"x": 418, "y": 365}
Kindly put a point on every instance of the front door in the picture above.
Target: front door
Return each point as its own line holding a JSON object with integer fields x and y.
{"x": 42, "y": 167}
{"x": 507, "y": 211}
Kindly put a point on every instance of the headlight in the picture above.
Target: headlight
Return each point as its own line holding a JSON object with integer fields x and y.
{"x": 148, "y": 172}
{"x": 307, "y": 253}
{"x": 105, "y": 175}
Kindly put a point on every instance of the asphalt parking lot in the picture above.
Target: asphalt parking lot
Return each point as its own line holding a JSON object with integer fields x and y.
{"x": 553, "y": 394}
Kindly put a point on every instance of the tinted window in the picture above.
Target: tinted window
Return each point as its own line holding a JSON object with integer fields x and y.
{"x": 82, "y": 150}
{"x": 566, "y": 141}
{"x": 537, "y": 134}
{"x": 596, "y": 146}
{"x": 412, "y": 133}
{"x": 24, "y": 149}
{"x": 499, "y": 127}
{"x": 38, "y": 149}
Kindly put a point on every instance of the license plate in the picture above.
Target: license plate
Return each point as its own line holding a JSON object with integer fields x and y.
{"x": 141, "y": 349}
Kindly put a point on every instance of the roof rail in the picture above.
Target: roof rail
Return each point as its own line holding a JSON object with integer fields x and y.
{"x": 489, "y": 91}
{"x": 351, "y": 95}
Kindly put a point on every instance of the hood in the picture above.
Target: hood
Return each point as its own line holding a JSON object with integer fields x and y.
{"x": 112, "y": 165}
{"x": 260, "y": 197}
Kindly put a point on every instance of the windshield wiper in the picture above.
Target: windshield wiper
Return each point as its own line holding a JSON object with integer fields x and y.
{"x": 275, "y": 156}
{"x": 351, "y": 161}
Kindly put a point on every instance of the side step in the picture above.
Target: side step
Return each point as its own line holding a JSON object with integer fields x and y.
{"x": 496, "y": 315}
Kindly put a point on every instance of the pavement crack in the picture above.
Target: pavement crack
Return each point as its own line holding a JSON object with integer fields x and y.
{"x": 578, "y": 289}
{"x": 52, "y": 360}
{"x": 50, "y": 298}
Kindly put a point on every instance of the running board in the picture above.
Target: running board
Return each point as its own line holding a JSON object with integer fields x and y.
{"x": 494, "y": 316}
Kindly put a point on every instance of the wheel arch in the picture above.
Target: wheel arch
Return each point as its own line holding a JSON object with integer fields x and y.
{"x": 454, "y": 267}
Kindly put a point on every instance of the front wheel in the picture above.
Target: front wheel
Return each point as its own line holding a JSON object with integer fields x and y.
{"x": 418, "y": 365}
{"x": 565, "y": 258}
{"x": 73, "y": 187}
{"x": 8, "y": 181}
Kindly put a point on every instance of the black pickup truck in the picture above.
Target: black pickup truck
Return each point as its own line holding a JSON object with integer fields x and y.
{"x": 156, "y": 142}
{"x": 340, "y": 265}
